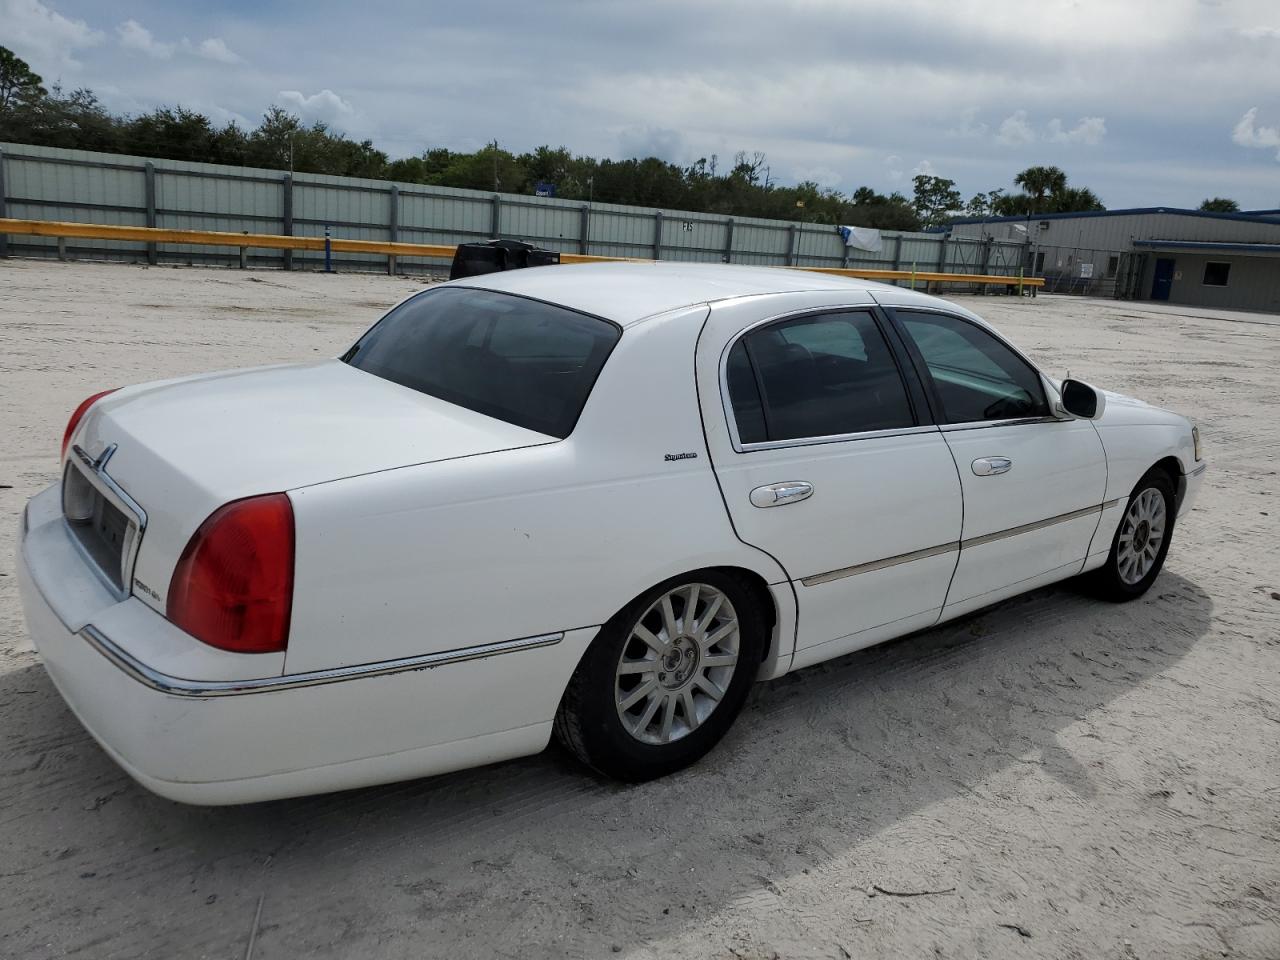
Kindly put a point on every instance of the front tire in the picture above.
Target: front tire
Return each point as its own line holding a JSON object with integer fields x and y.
{"x": 1141, "y": 541}
{"x": 665, "y": 678}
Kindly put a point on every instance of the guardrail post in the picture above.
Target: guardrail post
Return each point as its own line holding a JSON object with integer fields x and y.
{"x": 62, "y": 248}
{"x": 4, "y": 237}
{"x": 728, "y": 240}
{"x": 791, "y": 246}
{"x": 286, "y": 215}
{"x": 495, "y": 226}
{"x": 584, "y": 230}
{"x": 913, "y": 274}
{"x": 328, "y": 252}
{"x": 149, "y": 181}
{"x": 986, "y": 263}
{"x": 244, "y": 257}
{"x": 897, "y": 252}
{"x": 393, "y": 225}
{"x": 657, "y": 235}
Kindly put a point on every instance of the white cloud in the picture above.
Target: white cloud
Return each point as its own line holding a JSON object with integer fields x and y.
{"x": 1261, "y": 33}
{"x": 46, "y": 38}
{"x": 1089, "y": 130}
{"x": 1247, "y": 133}
{"x": 924, "y": 169}
{"x": 1015, "y": 130}
{"x": 326, "y": 105}
{"x": 134, "y": 36}
{"x": 215, "y": 49}
{"x": 969, "y": 126}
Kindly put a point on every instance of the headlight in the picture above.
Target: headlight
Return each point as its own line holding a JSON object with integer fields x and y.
{"x": 1195, "y": 440}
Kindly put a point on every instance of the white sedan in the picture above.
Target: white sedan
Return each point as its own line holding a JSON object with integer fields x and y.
{"x": 599, "y": 501}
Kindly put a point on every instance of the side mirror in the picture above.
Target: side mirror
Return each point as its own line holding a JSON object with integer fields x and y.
{"x": 1081, "y": 400}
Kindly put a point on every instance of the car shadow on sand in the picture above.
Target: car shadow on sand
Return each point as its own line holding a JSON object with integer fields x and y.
{"x": 538, "y": 857}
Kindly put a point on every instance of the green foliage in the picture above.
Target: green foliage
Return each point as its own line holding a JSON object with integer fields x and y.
{"x": 935, "y": 198}
{"x": 1220, "y": 205}
{"x": 1044, "y": 190}
{"x": 18, "y": 84}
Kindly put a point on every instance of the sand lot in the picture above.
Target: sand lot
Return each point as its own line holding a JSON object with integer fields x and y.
{"x": 1055, "y": 777}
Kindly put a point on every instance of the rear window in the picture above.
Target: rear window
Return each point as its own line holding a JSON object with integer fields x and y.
{"x": 519, "y": 360}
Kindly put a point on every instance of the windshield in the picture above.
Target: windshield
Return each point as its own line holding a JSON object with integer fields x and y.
{"x": 523, "y": 361}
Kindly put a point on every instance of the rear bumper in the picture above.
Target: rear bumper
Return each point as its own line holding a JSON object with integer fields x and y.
{"x": 225, "y": 741}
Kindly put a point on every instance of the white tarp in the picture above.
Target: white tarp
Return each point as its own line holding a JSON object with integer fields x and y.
{"x": 862, "y": 238}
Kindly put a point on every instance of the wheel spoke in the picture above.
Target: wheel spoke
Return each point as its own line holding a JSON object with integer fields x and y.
{"x": 720, "y": 660}
{"x": 700, "y": 629}
{"x": 668, "y": 717}
{"x": 704, "y": 683}
{"x": 720, "y": 634}
{"x": 669, "y": 625}
{"x": 690, "y": 709}
{"x": 628, "y": 667}
{"x": 687, "y": 616}
{"x": 638, "y": 694}
{"x": 646, "y": 718}
{"x": 650, "y": 640}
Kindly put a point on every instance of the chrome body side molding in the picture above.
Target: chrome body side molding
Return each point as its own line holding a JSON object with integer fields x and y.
{"x": 178, "y": 687}
{"x": 942, "y": 548}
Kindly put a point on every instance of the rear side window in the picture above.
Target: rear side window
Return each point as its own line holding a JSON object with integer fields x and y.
{"x": 976, "y": 375}
{"x": 518, "y": 360}
{"x": 815, "y": 377}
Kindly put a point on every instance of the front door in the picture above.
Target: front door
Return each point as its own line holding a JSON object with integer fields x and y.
{"x": 1033, "y": 484}
{"x": 1162, "y": 281}
{"x": 827, "y": 462}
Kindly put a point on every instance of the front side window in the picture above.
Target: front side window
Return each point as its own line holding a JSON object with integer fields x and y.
{"x": 816, "y": 376}
{"x": 977, "y": 376}
{"x": 514, "y": 359}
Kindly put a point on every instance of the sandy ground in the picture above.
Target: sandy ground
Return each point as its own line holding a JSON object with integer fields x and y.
{"x": 1055, "y": 777}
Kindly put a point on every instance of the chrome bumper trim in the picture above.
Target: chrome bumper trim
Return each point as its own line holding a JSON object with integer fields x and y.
{"x": 178, "y": 687}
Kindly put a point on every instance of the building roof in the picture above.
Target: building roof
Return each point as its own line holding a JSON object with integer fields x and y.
{"x": 1249, "y": 249}
{"x": 1253, "y": 216}
{"x": 627, "y": 292}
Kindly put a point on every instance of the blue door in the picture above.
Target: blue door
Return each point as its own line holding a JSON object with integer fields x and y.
{"x": 1163, "y": 279}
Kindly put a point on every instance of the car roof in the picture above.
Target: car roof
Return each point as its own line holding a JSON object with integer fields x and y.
{"x": 627, "y": 292}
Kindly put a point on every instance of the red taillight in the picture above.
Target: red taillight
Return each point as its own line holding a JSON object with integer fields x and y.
{"x": 78, "y": 414}
{"x": 233, "y": 586}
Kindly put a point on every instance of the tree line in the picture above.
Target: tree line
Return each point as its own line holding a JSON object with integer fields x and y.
{"x": 30, "y": 113}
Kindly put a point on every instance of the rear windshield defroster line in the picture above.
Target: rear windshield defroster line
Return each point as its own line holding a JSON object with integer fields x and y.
{"x": 515, "y": 359}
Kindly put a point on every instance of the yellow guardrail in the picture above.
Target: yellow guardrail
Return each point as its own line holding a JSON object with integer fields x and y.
{"x": 219, "y": 238}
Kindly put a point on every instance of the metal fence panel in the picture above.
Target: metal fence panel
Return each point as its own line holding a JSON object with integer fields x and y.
{"x": 43, "y": 183}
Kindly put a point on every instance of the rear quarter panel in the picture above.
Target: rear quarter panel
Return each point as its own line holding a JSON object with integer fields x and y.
{"x": 523, "y": 542}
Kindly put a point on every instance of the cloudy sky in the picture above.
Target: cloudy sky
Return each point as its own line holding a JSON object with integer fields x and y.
{"x": 1146, "y": 101}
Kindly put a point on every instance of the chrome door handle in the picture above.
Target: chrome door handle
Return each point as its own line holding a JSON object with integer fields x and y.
{"x": 777, "y": 494}
{"x": 990, "y": 466}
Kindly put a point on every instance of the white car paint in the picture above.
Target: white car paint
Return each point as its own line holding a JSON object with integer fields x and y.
{"x": 426, "y": 534}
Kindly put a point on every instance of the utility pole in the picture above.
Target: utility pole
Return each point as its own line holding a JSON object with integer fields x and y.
{"x": 495, "y": 165}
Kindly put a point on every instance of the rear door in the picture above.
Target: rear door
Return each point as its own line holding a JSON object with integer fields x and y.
{"x": 1033, "y": 484}
{"x": 821, "y": 441}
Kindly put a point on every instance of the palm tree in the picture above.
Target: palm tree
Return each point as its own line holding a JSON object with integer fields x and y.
{"x": 1040, "y": 182}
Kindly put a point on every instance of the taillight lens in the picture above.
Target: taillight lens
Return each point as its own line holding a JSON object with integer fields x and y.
{"x": 78, "y": 414}
{"x": 233, "y": 586}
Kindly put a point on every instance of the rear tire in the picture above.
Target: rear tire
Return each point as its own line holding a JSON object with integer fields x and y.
{"x": 665, "y": 678}
{"x": 1141, "y": 541}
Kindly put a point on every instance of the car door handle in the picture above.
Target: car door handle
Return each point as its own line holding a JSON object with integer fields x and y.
{"x": 777, "y": 494}
{"x": 990, "y": 466}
